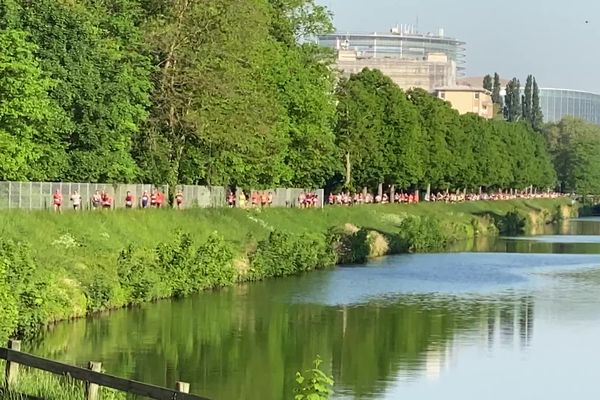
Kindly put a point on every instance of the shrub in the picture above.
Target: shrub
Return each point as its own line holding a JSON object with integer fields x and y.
{"x": 512, "y": 223}
{"x": 177, "y": 261}
{"x": 139, "y": 277}
{"x": 422, "y": 234}
{"x": 284, "y": 254}
{"x": 27, "y": 287}
{"x": 350, "y": 247}
{"x": 214, "y": 264}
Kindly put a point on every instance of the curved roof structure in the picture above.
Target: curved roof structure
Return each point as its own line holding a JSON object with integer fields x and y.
{"x": 398, "y": 43}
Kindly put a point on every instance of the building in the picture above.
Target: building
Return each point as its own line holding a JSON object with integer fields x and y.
{"x": 410, "y": 59}
{"x": 468, "y": 99}
{"x": 559, "y": 103}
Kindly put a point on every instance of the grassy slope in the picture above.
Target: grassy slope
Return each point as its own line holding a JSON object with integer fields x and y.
{"x": 103, "y": 234}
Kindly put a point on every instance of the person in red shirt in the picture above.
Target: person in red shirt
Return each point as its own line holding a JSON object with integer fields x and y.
{"x": 129, "y": 199}
{"x": 106, "y": 201}
{"x": 57, "y": 200}
{"x": 160, "y": 199}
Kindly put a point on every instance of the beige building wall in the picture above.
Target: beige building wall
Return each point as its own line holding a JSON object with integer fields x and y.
{"x": 468, "y": 100}
{"x": 435, "y": 71}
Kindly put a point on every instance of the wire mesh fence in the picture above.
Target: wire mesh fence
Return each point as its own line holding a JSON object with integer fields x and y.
{"x": 39, "y": 195}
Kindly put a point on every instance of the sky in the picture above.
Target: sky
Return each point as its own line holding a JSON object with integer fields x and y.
{"x": 547, "y": 38}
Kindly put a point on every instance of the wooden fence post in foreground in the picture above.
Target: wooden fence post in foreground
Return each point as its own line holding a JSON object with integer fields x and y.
{"x": 12, "y": 368}
{"x": 92, "y": 390}
{"x": 182, "y": 387}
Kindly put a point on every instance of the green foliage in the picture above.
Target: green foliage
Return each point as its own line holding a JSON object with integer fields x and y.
{"x": 488, "y": 84}
{"x": 284, "y": 254}
{"x": 314, "y": 384}
{"x": 30, "y": 122}
{"x": 350, "y": 247}
{"x": 496, "y": 98}
{"x": 575, "y": 148}
{"x": 421, "y": 234}
{"x": 512, "y": 101}
{"x": 513, "y": 223}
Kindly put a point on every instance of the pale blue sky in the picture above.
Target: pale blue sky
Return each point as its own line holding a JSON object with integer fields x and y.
{"x": 548, "y": 38}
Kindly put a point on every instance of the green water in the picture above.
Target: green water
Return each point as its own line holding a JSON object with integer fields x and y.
{"x": 511, "y": 318}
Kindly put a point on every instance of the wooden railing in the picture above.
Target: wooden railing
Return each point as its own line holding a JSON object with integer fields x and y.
{"x": 93, "y": 378}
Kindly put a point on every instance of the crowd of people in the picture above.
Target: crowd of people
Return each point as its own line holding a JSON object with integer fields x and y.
{"x": 265, "y": 200}
{"x": 347, "y": 198}
{"x": 157, "y": 199}
{"x": 103, "y": 200}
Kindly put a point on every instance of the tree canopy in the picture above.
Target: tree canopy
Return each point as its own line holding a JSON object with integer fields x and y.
{"x": 232, "y": 92}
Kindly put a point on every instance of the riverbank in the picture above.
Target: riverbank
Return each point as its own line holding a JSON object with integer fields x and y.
{"x": 66, "y": 266}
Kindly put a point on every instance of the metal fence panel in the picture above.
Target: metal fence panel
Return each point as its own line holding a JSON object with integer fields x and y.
{"x": 38, "y": 195}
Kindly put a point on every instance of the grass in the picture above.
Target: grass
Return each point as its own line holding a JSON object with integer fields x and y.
{"x": 99, "y": 236}
{"x": 34, "y": 384}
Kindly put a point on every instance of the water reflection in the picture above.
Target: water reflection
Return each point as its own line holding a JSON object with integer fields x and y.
{"x": 416, "y": 326}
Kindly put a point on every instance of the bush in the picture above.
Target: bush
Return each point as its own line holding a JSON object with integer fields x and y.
{"x": 177, "y": 261}
{"x": 214, "y": 264}
{"x": 284, "y": 254}
{"x": 27, "y": 288}
{"x": 139, "y": 277}
{"x": 350, "y": 247}
{"x": 512, "y": 223}
{"x": 422, "y": 234}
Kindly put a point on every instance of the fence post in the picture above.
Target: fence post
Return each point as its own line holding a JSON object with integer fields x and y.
{"x": 91, "y": 389}
{"x": 182, "y": 387}
{"x": 12, "y": 368}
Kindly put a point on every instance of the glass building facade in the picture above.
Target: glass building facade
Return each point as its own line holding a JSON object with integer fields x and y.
{"x": 404, "y": 44}
{"x": 558, "y": 103}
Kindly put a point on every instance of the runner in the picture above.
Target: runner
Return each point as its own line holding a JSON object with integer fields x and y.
{"x": 96, "y": 200}
{"x": 179, "y": 200}
{"x": 129, "y": 200}
{"x": 57, "y": 200}
{"x": 106, "y": 201}
{"x": 231, "y": 200}
{"x": 160, "y": 199}
{"x": 153, "y": 198}
{"x": 76, "y": 200}
{"x": 243, "y": 199}
{"x": 270, "y": 199}
{"x": 145, "y": 200}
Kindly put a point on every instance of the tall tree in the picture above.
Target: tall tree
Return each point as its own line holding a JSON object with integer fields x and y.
{"x": 496, "y": 89}
{"x": 216, "y": 118}
{"x": 487, "y": 83}
{"x": 512, "y": 100}
{"x": 31, "y": 124}
{"x": 91, "y": 48}
{"x": 537, "y": 117}
{"x": 527, "y": 99}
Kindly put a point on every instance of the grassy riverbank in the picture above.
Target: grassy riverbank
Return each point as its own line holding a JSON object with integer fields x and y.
{"x": 64, "y": 266}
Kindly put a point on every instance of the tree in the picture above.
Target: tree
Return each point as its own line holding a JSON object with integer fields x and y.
{"x": 487, "y": 83}
{"x": 92, "y": 50}
{"x": 512, "y": 107}
{"x": 527, "y": 99}
{"x": 216, "y": 119}
{"x": 537, "y": 117}
{"x": 575, "y": 149}
{"x": 31, "y": 124}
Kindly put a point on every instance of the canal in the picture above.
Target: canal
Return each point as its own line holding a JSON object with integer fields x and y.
{"x": 500, "y": 318}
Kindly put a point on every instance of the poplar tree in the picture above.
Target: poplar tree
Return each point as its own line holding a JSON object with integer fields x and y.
{"x": 537, "y": 117}
{"x": 487, "y": 83}
{"x": 527, "y": 100}
{"x": 512, "y": 107}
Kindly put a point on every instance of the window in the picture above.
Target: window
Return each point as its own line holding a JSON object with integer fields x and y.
{"x": 442, "y": 95}
{"x": 477, "y": 96}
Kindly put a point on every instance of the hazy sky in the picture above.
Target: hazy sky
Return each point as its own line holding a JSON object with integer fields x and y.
{"x": 548, "y": 38}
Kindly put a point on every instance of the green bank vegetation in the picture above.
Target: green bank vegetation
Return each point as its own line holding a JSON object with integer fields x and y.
{"x": 55, "y": 267}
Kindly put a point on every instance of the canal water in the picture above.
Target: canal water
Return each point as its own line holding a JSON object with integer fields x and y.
{"x": 514, "y": 318}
